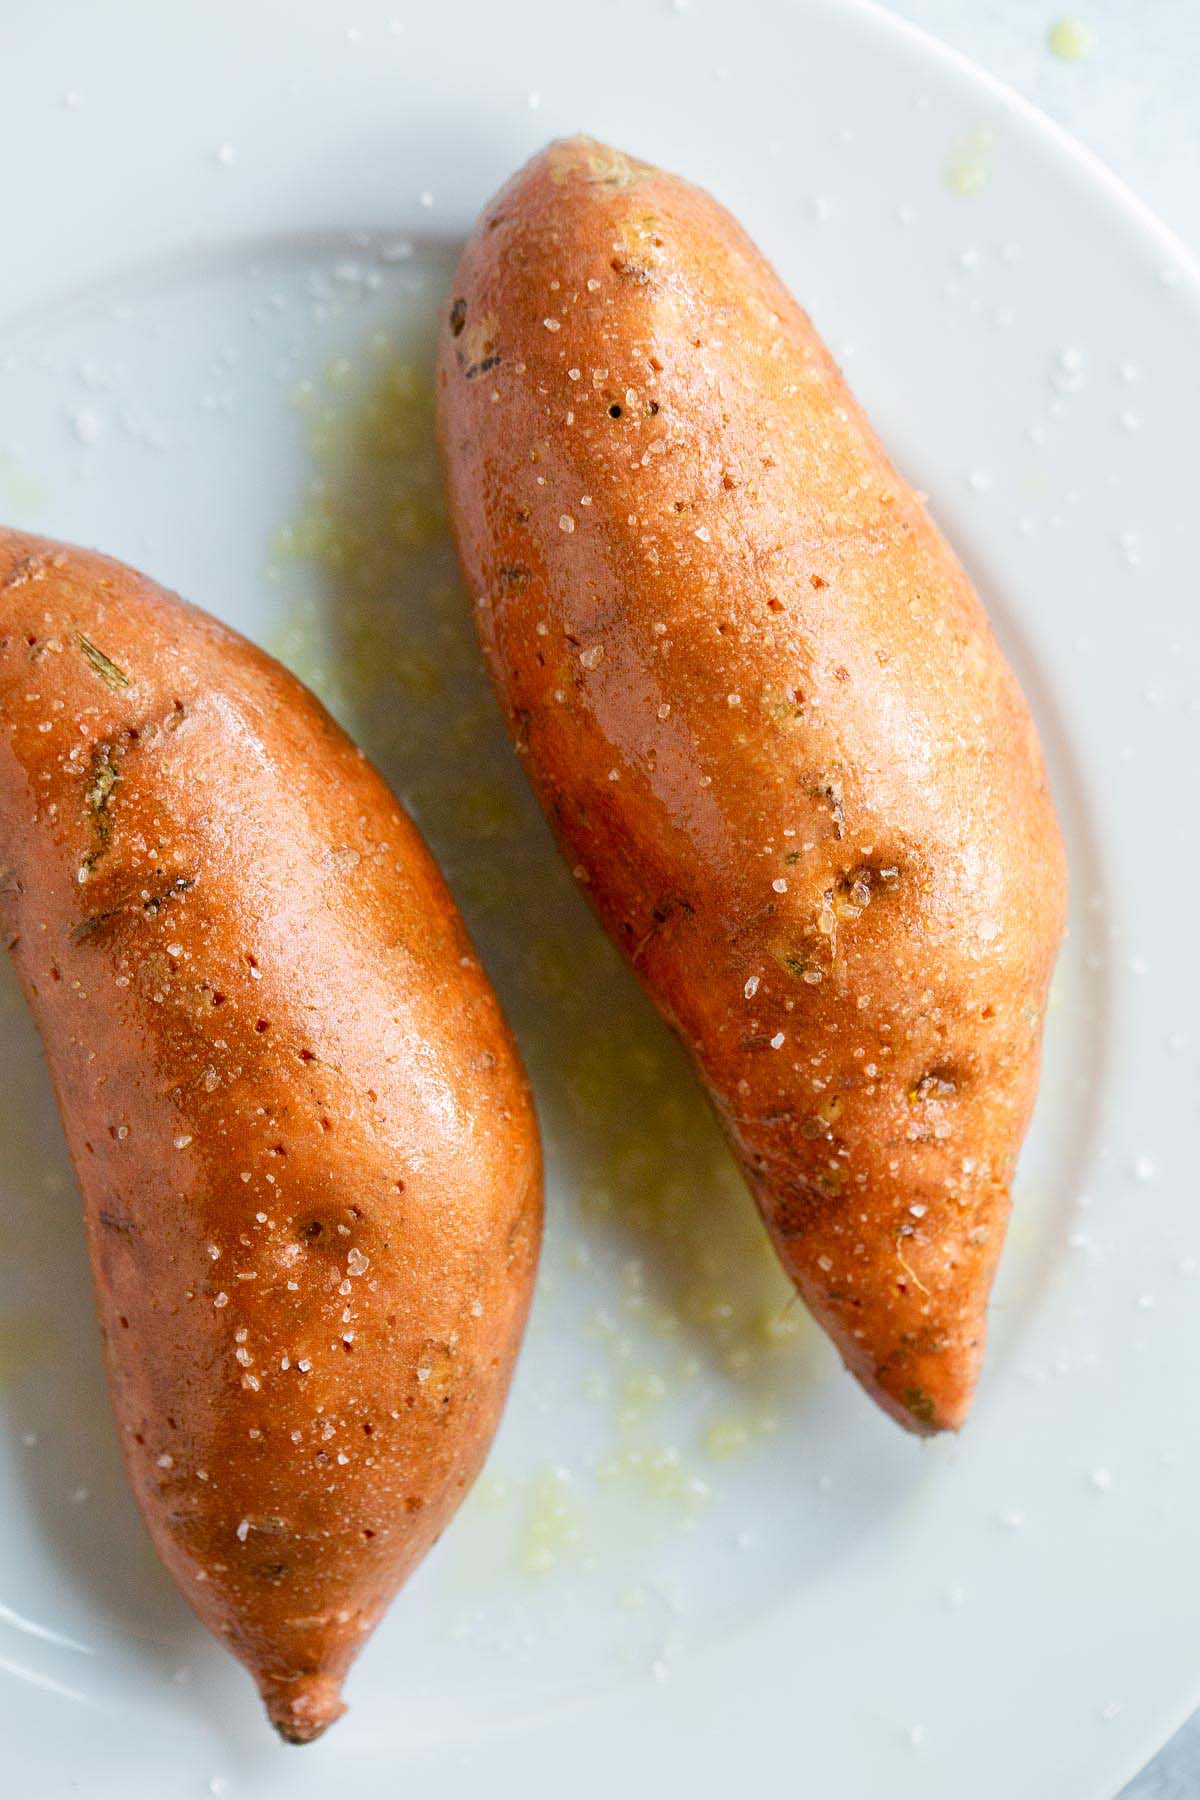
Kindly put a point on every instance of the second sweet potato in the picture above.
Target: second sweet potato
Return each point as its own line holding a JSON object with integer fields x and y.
{"x": 765, "y": 713}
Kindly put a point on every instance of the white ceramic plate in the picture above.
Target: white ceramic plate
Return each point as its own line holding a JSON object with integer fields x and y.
{"x": 698, "y": 1559}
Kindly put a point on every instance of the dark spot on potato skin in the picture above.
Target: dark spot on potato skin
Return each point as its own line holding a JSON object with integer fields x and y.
{"x": 935, "y": 1084}
{"x": 920, "y": 1405}
{"x": 133, "y": 909}
{"x": 154, "y": 905}
{"x": 458, "y": 317}
{"x": 800, "y": 1205}
{"x": 113, "y": 1222}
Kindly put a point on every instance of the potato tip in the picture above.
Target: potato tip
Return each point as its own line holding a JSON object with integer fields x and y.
{"x": 303, "y": 1708}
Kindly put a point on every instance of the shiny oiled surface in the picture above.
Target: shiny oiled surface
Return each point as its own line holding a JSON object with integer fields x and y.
{"x": 767, "y": 718}
{"x": 305, "y": 1144}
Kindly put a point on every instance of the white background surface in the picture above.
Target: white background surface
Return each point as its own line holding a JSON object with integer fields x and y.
{"x": 1134, "y": 100}
{"x": 1067, "y": 1522}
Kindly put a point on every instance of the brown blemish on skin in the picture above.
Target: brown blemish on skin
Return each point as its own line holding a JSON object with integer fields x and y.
{"x": 103, "y": 776}
{"x": 113, "y": 1222}
{"x": 935, "y": 1084}
{"x": 103, "y": 665}
{"x": 132, "y": 909}
{"x": 477, "y": 350}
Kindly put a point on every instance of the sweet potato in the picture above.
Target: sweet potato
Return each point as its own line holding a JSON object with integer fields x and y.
{"x": 764, "y": 711}
{"x": 305, "y": 1143}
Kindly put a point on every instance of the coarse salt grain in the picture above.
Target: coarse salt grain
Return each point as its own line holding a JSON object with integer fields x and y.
{"x": 777, "y": 1042}
{"x": 780, "y": 885}
{"x": 552, "y": 324}
{"x": 751, "y": 987}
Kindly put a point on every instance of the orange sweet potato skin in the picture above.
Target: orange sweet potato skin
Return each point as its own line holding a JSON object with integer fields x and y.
{"x": 306, "y": 1146}
{"x": 764, "y": 711}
